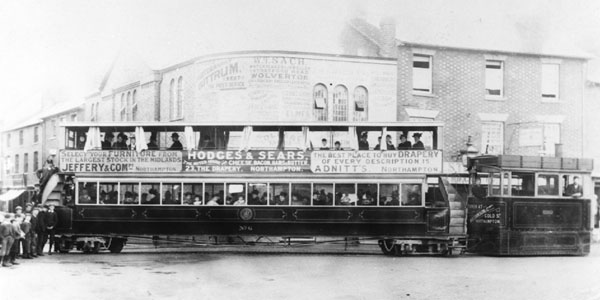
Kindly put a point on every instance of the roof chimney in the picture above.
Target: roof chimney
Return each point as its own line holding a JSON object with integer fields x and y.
{"x": 388, "y": 37}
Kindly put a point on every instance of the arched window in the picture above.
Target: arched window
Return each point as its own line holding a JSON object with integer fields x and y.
{"x": 180, "y": 98}
{"x": 340, "y": 103}
{"x": 361, "y": 104}
{"x": 123, "y": 108}
{"x": 172, "y": 99}
{"x": 134, "y": 106}
{"x": 128, "y": 107}
{"x": 320, "y": 102}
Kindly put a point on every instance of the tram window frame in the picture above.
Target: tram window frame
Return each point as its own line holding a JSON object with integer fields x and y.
{"x": 300, "y": 199}
{"x": 556, "y": 189}
{"x": 495, "y": 184}
{"x": 158, "y": 192}
{"x": 234, "y": 199}
{"x": 221, "y": 193}
{"x": 406, "y": 188}
{"x": 367, "y": 202}
{"x": 325, "y": 196}
{"x": 193, "y": 193}
{"x": 164, "y": 191}
{"x": 394, "y": 202}
{"x": 340, "y": 202}
{"x": 273, "y": 193}
{"x": 100, "y": 190}
{"x": 261, "y": 192}
{"x": 122, "y": 194}
{"x": 530, "y": 190}
{"x": 569, "y": 180}
{"x": 94, "y": 198}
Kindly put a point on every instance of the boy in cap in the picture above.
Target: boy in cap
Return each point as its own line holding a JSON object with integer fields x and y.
{"x": 34, "y": 236}
{"x": 6, "y": 240}
{"x": 26, "y": 229}
{"x": 51, "y": 219}
{"x": 17, "y": 235}
{"x": 41, "y": 230}
{"x": 176, "y": 143}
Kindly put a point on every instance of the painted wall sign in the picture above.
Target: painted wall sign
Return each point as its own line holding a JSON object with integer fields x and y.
{"x": 120, "y": 161}
{"x": 384, "y": 162}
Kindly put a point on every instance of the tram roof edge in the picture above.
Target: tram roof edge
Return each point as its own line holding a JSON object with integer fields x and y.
{"x": 295, "y": 124}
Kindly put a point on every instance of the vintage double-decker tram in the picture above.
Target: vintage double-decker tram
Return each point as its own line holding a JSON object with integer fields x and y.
{"x": 260, "y": 179}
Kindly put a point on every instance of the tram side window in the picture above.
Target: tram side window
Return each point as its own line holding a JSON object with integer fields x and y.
{"x": 547, "y": 184}
{"x": 389, "y": 195}
{"x": 214, "y": 194}
{"x": 411, "y": 195}
{"x": 300, "y": 194}
{"x": 367, "y": 194}
{"x": 150, "y": 193}
{"x": 108, "y": 193}
{"x": 572, "y": 187}
{"x": 172, "y": 193}
{"x": 192, "y": 193}
{"x": 87, "y": 192}
{"x": 129, "y": 193}
{"x": 279, "y": 194}
{"x": 345, "y": 194}
{"x": 257, "y": 194}
{"x": 236, "y": 194}
{"x": 495, "y": 183}
{"x": 522, "y": 184}
{"x": 323, "y": 194}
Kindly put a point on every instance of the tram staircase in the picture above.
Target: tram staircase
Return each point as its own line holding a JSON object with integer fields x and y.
{"x": 457, "y": 205}
{"x": 56, "y": 193}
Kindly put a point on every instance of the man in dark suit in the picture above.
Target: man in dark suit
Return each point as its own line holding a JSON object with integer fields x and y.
{"x": 176, "y": 143}
{"x": 418, "y": 145}
{"x": 51, "y": 219}
{"x": 40, "y": 230}
{"x": 404, "y": 144}
{"x": 108, "y": 140}
{"x": 574, "y": 189}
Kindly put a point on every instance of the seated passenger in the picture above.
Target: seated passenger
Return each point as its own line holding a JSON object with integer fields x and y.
{"x": 337, "y": 146}
{"x": 84, "y": 197}
{"x": 418, "y": 145}
{"x": 346, "y": 200}
{"x": 108, "y": 140}
{"x": 366, "y": 199}
{"x": 574, "y": 189}
{"x": 151, "y": 198}
{"x": 296, "y": 200}
{"x": 187, "y": 198}
{"x": 378, "y": 146}
{"x": 404, "y": 144}
{"x": 176, "y": 143}
{"x": 324, "y": 145}
{"x": 363, "y": 144}
{"x": 121, "y": 143}
{"x": 197, "y": 200}
{"x": 282, "y": 199}
{"x": 214, "y": 200}
{"x": 152, "y": 145}
{"x": 414, "y": 196}
{"x": 388, "y": 143}
{"x": 255, "y": 199}
{"x": 130, "y": 198}
{"x": 240, "y": 201}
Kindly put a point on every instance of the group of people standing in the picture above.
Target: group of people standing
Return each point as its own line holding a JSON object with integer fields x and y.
{"x": 121, "y": 144}
{"x": 363, "y": 144}
{"x": 25, "y": 233}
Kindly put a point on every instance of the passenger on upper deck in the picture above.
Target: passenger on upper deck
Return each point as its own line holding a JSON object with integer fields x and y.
{"x": 404, "y": 144}
{"x": 121, "y": 143}
{"x": 324, "y": 145}
{"x": 418, "y": 145}
{"x": 479, "y": 191}
{"x": 378, "y": 146}
{"x": 363, "y": 144}
{"x": 574, "y": 189}
{"x": 337, "y": 146}
{"x": 207, "y": 144}
{"x": 108, "y": 139}
{"x": 176, "y": 143}
{"x": 152, "y": 145}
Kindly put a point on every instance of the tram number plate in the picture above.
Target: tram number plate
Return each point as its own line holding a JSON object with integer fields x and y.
{"x": 244, "y": 228}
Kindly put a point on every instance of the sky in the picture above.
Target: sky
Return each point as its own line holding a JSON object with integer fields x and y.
{"x": 61, "y": 49}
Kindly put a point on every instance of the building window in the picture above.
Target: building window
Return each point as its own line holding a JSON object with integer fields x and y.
{"x": 172, "y": 99}
{"x": 492, "y": 137}
{"x": 35, "y": 161}
{"x": 340, "y": 103}
{"x": 422, "y": 73}
{"x": 7, "y": 164}
{"x": 550, "y": 81}
{"x": 551, "y": 138}
{"x": 361, "y": 102}
{"x": 21, "y": 137}
{"x": 134, "y": 106}
{"x": 128, "y": 107}
{"x": 53, "y": 125}
{"x": 25, "y": 162}
{"x": 494, "y": 78}
{"x": 320, "y": 102}
{"x": 17, "y": 163}
{"x": 123, "y": 110}
{"x": 8, "y": 140}
{"x": 36, "y": 134}
{"x": 179, "y": 113}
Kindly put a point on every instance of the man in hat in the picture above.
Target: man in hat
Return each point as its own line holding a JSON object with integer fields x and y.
{"x": 51, "y": 219}
{"x": 108, "y": 140}
{"x": 363, "y": 144}
{"x": 418, "y": 145}
{"x": 17, "y": 235}
{"x": 6, "y": 239}
{"x": 121, "y": 143}
{"x": 40, "y": 230}
{"x": 176, "y": 143}
{"x": 388, "y": 143}
{"x": 404, "y": 144}
{"x": 34, "y": 236}
{"x": 152, "y": 145}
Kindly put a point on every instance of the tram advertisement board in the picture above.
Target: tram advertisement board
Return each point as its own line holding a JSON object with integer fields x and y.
{"x": 380, "y": 162}
{"x": 259, "y": 161}
{"x": 120, "y": 161}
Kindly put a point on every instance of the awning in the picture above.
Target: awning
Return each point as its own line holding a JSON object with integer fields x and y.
{"x": 11, "y": 195}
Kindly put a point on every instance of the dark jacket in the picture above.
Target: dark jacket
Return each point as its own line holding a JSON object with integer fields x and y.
{"x": 51, "y": 219}
{"x": 363, "y": 145}
{"x": 5, "y": 230}
{"x": 418, "y": 146}
{"x": 41, "y": 222}
{"x": 405, "y": 145}
{"x": 106, "y": 145}
{"x": 176, "y": 146}
{"x": 34, "y": 223}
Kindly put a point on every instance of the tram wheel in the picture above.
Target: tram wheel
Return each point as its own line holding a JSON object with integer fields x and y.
{"x": 64, "y": 245}
{"x": 116, "y": 246}
{"x": 387, "y": 247}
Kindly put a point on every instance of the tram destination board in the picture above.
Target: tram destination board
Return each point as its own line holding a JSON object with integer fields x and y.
{"x": 253, "y": 161}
